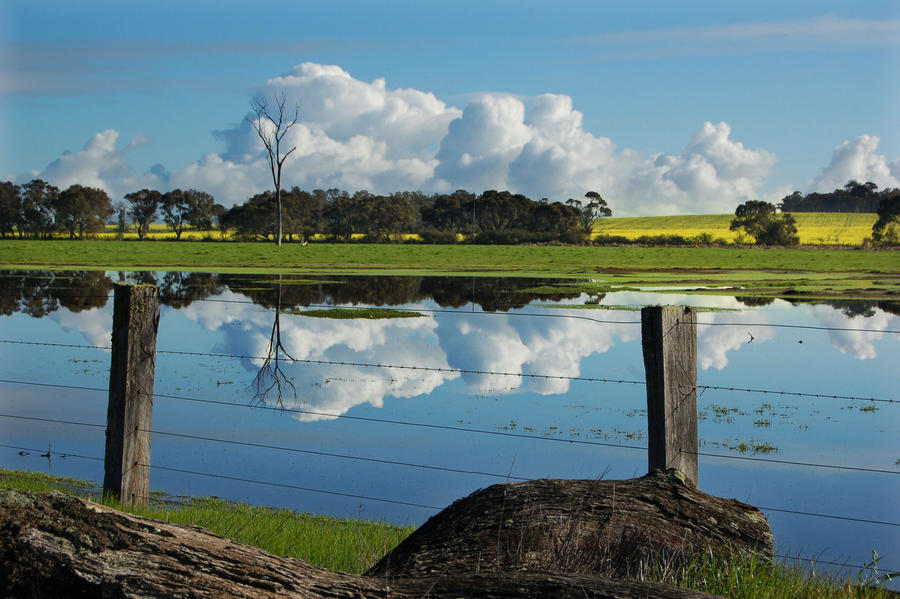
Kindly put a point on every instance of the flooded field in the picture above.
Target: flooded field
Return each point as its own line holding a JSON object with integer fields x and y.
{"x": 465, "y": 382}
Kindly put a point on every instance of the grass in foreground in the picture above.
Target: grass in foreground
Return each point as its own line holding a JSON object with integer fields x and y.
{"x": 750, "y": 578}
{"x": 345, "y": 545}
{"x": 354, "y": 545}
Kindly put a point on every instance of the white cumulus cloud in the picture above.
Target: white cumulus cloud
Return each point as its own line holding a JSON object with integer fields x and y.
{"x": 858, "y": 160}
{"x": 354, "y": 135}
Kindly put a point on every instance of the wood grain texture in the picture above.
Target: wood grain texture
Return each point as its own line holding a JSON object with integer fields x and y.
{"x": 54, "y": 546}
{"x": 129, "y": 415}
{"x": 605, "y": 528}
{"x": 669, "y": 340}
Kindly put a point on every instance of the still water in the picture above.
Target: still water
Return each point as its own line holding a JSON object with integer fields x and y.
{"x": 492, "y": 380}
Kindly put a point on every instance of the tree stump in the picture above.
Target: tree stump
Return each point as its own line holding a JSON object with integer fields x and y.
{"x": 613, "y": 528}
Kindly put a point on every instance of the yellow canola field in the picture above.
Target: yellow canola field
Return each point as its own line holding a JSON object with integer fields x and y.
{"x": 813, "y": 227}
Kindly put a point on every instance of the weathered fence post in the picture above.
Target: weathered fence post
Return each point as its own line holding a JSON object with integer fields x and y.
{"x": 129, "y": 415}
{"x": 669, "y": 339}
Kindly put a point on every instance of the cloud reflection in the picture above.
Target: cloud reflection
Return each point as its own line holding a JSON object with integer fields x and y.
{"x": 861, "y": 343}
{"x": 94, "y": 324}
{"x": 328, "y": 388}
{"x": 714, "y": 343}
{"x": 525, "y": 346}
{"x": 500, "y": 343}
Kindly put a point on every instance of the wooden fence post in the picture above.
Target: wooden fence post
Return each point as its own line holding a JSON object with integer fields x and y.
{"x": 669, "y": 339}
{"x": 129, "y": 415}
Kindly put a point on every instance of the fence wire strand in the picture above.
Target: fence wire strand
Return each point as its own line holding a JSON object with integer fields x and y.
{"x": 348, "y": 363}
{"x": 702, "y": 388}
{"x": 394, "y": 501}
{"x": 458, "y": 428}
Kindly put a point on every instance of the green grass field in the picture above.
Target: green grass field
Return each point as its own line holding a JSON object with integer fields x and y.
{"x": 805, "y": 273}
{"x": 816, "y": 228}
{"x": 429, "y": 259}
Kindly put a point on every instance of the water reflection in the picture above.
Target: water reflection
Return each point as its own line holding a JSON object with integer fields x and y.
{"x": 467, "y": 328}
{"x": 498, "y": 345}
{"x": 39, "y": 293}
{"x": 330, "y": 388}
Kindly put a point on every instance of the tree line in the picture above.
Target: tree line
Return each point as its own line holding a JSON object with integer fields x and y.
{"x": 40, "y": 210}
{"x": 490, "y": 217}
{"x": 852, "y": 197}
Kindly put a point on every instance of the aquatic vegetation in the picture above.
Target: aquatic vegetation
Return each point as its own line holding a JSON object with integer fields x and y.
{"x": 353, "y": 313}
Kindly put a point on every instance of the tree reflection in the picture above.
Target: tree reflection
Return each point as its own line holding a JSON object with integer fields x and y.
{"x": 180, "y": 289}
{"x": 82, "y": 290}
{"x": 39, "y": 293}
{"x": 271, "y": 379}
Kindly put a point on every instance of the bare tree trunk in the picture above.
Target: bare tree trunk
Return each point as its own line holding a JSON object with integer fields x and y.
{"x": 280, "y": 123}
{"x": 278, "y": 201}
{"x": 54, "y": 546}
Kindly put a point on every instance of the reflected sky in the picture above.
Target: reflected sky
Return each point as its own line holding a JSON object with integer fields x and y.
{"x": 546, "y": 354}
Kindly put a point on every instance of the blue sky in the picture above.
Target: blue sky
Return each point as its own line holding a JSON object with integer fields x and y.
{"x": 661, "y": 107}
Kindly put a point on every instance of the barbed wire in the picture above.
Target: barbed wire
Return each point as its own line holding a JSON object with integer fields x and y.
{"x": 60, "y": 454}
{"x": 358, "y": 418}
{"x": 292, "y": 487}
{"x": 776, "y": 325}
{"x": 793, "y": 393}
{"x": 817, "y": 515}
{"x": 29, "y": 450}
{"x": 790, "y": 463}
{"x": 349, "y": 363}
{"x": 185, "y": 500}
{"x": 333, "y": 455}
{"x": 328, "y": 492}
{"x": 441, "y": 468}
{"x": 778, "y": 392}
{"x": 465, "y": 429}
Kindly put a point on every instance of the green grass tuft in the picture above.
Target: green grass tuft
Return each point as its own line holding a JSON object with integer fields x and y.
{"x": 357, "y": 313}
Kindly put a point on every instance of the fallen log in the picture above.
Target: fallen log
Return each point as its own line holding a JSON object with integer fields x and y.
{"x": 55, "y": 546}
{"x": 612, "y": 528}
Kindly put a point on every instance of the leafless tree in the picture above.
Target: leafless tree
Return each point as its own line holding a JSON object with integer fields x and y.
{"x": 273, "y": 121}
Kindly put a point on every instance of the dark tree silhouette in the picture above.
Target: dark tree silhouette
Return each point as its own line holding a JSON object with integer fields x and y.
{"x": 79, "y": 210}
{"x": 885, "y": 230}
{"x": 591, "y": 212}
{"x": 760, "y": 220}
{"x": 12, "y": 213}
{"x": 142, "y": 209}
{"x": 39, "y": 198}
